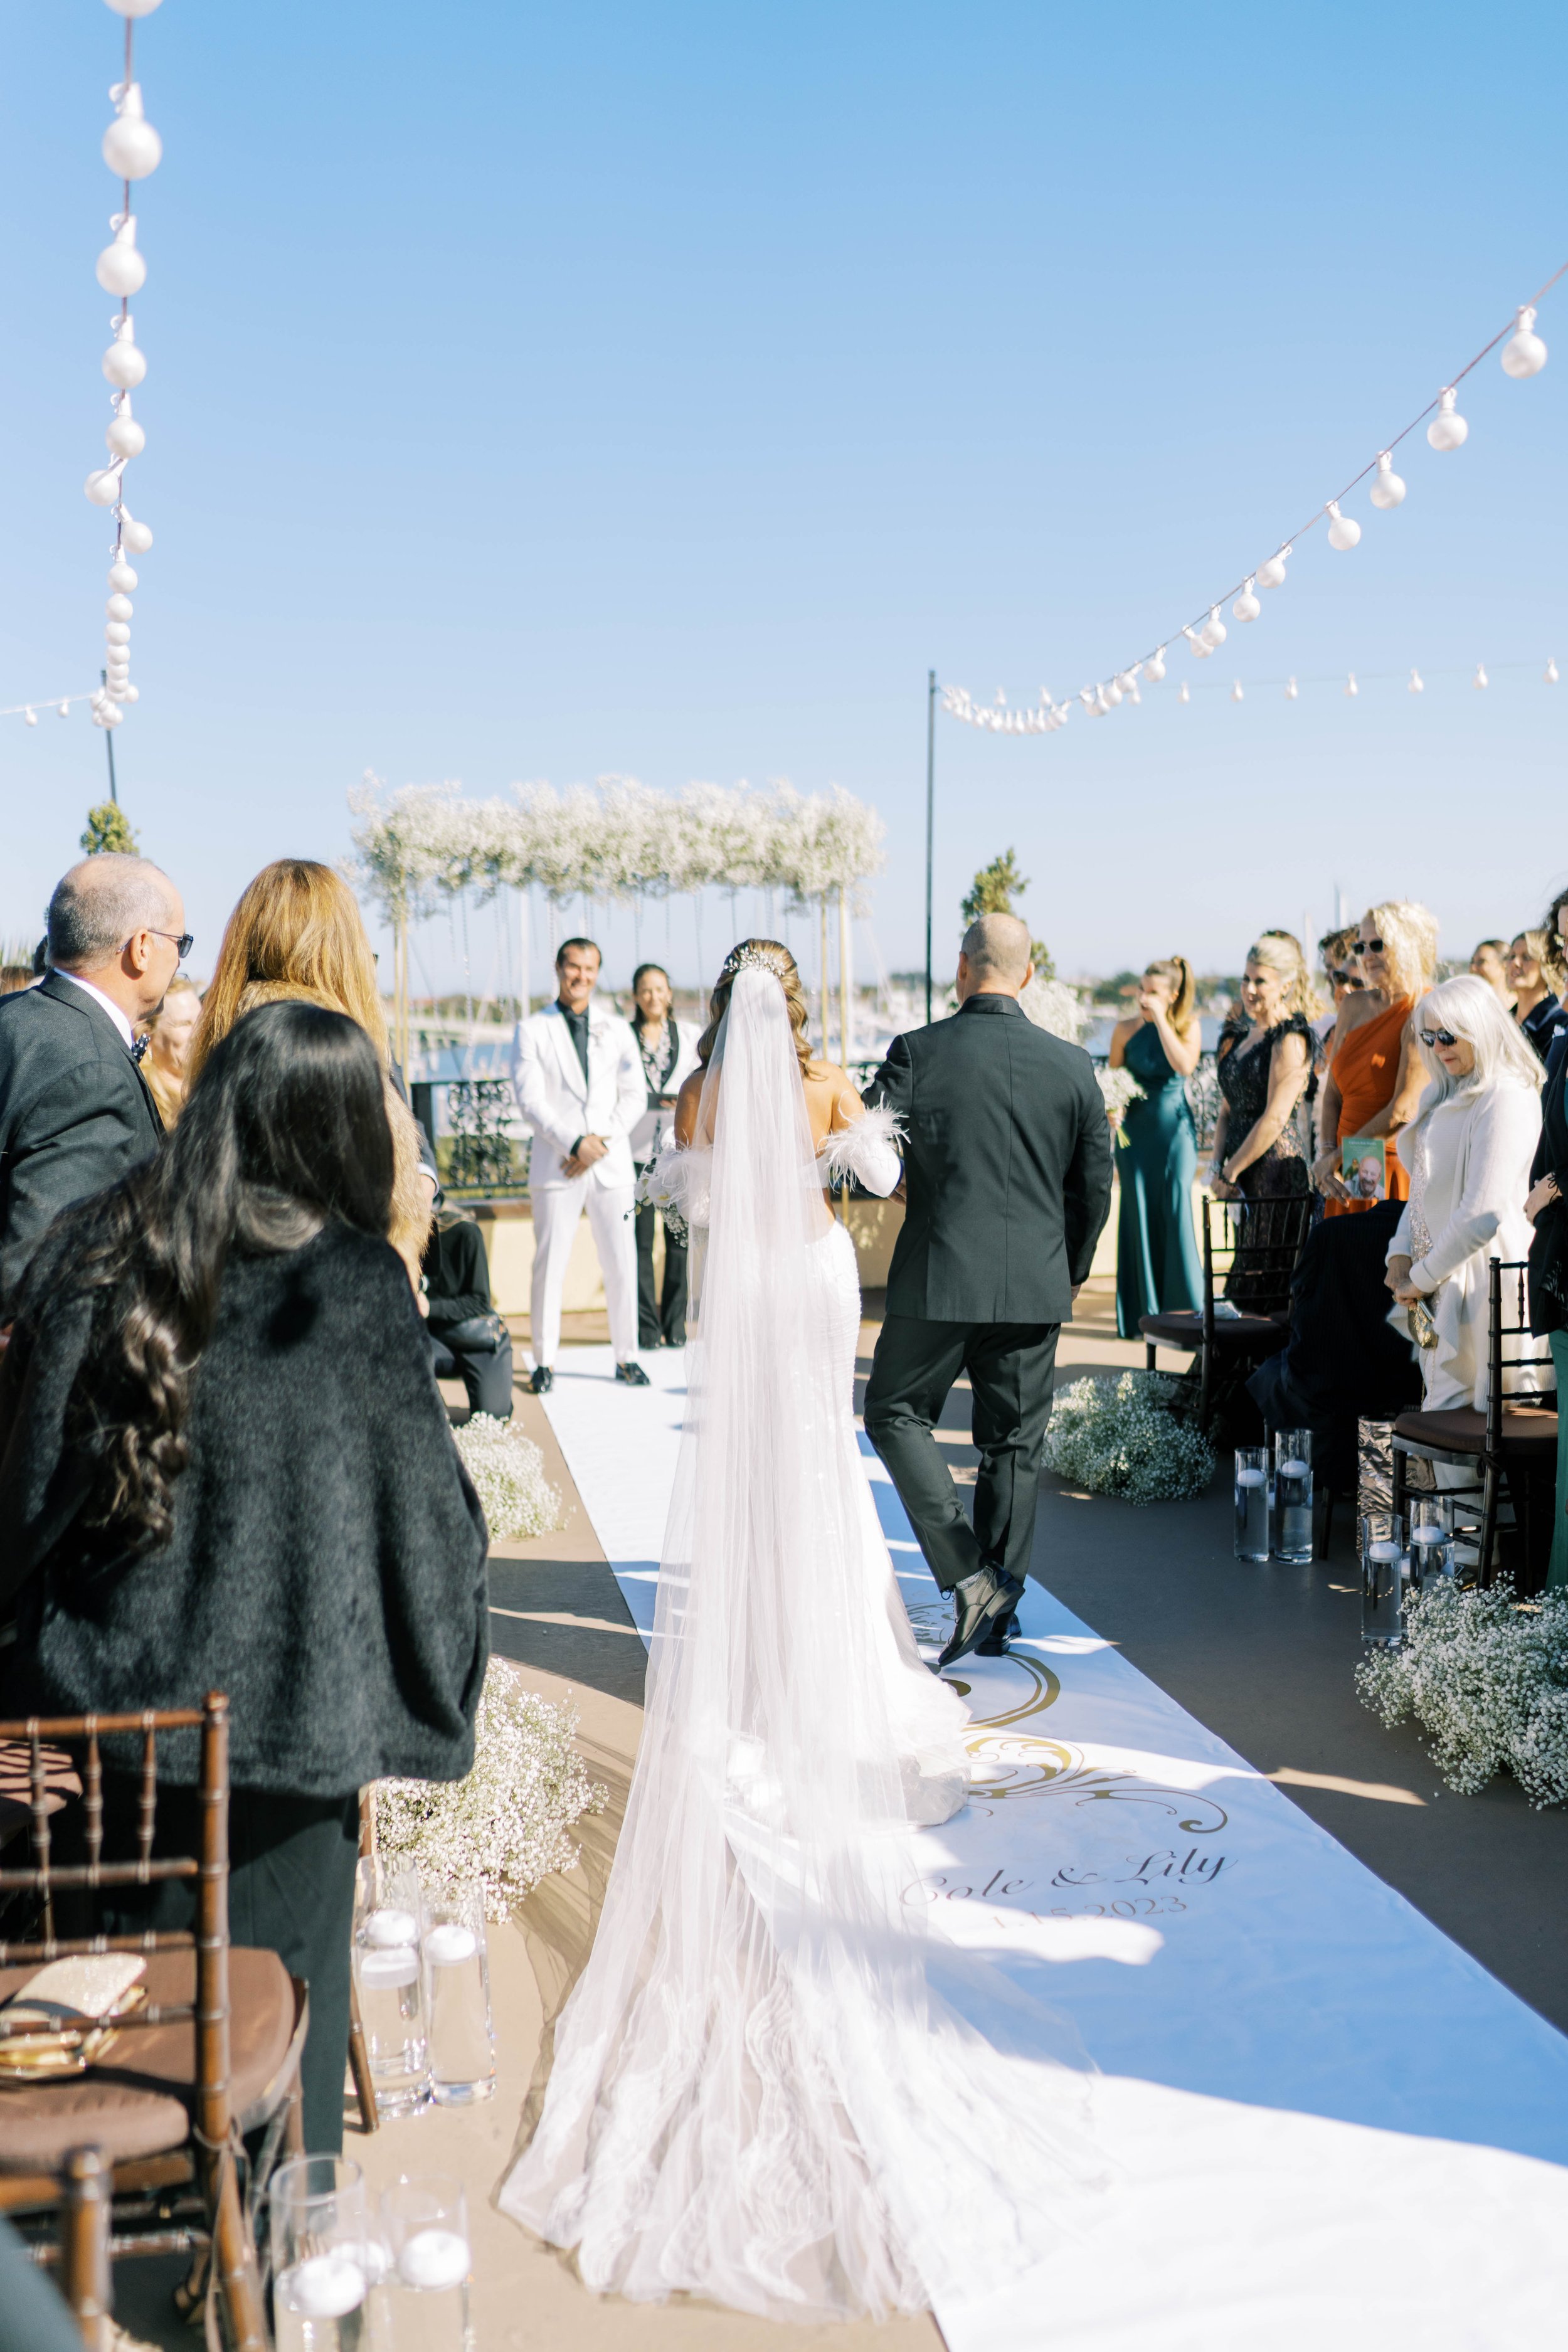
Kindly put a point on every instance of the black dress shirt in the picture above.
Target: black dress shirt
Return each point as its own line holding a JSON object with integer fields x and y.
{"x": 577, "y": 1022}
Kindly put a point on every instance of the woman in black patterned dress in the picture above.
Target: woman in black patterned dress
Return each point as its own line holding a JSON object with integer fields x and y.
{"x": 1258, "y": 1154}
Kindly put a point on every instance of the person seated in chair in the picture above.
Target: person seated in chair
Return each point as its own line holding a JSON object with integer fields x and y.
{"x": 468, "y": 1341}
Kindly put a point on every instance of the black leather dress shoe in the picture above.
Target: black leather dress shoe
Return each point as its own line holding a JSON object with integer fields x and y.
{"x": 989, "y": 1598}
{"x": 542, "y": 1380}
{"x": 632, "y": 1375}
{"x": 995, "y": 1646}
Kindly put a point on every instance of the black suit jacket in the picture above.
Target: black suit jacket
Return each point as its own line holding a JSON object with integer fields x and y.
{"x": 75, "y": 1115}
{"x": 1008, "y": 1161}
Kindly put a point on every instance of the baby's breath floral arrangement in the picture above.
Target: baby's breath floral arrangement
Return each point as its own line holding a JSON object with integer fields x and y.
{"x": 1121, "y": 1437}
{"x": 1051, "y": 1005}
{"x": 508, "y": 1472}
{"x": 1486, "y": 1679}
{"x": 504, "y": 1828}
{"x": 1119, "y": 1089}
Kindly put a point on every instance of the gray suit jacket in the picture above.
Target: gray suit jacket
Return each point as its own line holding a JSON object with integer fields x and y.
{"x": 1008, "y": 1162}
{"x": 75, "y": 1115}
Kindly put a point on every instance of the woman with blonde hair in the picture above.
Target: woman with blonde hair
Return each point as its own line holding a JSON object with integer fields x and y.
{"x": 297, "y": 934}
{"x": 1535, "y": 978}
{"x": 1262, "y": 1078}
{"x": 1467, "y": 1152}
{"x": 165, "y": 1064}
{"x": 1374, "y": 1080}
{"x": 1157, "y": 1266}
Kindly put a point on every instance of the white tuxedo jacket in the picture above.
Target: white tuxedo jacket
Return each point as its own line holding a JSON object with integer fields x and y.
{"x": 558, "y": 1104}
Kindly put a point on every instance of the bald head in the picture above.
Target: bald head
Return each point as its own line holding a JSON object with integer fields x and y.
{"x": 101, "y": 903}
{"x": 995, "y": 957}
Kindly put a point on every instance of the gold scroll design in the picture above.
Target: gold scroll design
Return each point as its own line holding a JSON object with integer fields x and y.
{"x": 1012, "y": 1763}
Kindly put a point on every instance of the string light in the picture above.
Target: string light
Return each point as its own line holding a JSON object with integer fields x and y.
{"x": 1480, "y": 678}
{"x": 133, "y": 151}
{"x": 1524, "y": 355}
{"x": 1418, "y": 683}
{"x": 1549, "y": 673}
{"x": 1352, "y": 689}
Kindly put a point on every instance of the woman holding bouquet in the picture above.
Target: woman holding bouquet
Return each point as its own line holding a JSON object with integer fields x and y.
{"x": 1157, "y": 1269}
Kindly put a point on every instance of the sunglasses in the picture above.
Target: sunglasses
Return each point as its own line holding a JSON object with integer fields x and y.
{"x": 183, "y": 940}
{"x": 1439, "y": 1038}
{"x": 1369, "y": 947}
{"x": 1345, "y": 980}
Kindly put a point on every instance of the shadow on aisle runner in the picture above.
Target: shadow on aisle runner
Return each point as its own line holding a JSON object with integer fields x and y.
{"x": 1322, "y": 2113}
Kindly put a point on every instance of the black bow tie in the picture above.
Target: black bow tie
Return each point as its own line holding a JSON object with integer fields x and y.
{"x": 139, "y": 1050}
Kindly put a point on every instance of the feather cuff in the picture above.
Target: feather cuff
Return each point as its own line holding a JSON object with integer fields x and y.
{"x": 680, "y": 1183}
{"x": 866, "y": 1150}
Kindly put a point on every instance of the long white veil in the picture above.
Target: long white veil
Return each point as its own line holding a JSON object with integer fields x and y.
{"x": 756, "y": 2094}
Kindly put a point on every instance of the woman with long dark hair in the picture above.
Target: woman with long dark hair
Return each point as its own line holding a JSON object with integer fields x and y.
{"x": 224, "y": 1466}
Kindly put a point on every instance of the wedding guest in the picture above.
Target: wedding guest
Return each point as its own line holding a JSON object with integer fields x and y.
{"x": 1375, "y": 1079}
{"x": 580, "y": 1085}
{"x": 15, "y": 977}
{"x": 1157, "y": 1266}
{"x": 169, "y": 1031}
{"x": 468, "y": 1340}
{"x": 224, "y": 1466}
{"x": 296, "y": 933}
{"x": 1257, "y": 1152}
{"x": 75, "y": 1110}
{"x": 1489, "y": 961}
{"x": 1336, "y": 953}
{"x": 669, "y": 1057}
{"x": 1532, "y": 969}
{"x": 1547, "y": 1208}
{"x": 1468, "y": 1151}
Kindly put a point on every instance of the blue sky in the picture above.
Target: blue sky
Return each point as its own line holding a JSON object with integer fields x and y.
{"x": 555, "y": 394}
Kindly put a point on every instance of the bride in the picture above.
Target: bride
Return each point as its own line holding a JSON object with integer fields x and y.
{"x": 758, "y": 2095}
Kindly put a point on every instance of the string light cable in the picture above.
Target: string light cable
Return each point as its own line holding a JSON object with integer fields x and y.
{"x": 133, "y": 151}
{"x": 1523, "y": 354}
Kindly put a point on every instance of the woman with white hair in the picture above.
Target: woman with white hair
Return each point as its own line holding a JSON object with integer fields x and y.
{"x": 1467, "y": 1152}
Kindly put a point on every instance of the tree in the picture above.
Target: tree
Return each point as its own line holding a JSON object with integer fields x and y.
{"x": 992, "y": 892}
{"x": 109, "y": 828}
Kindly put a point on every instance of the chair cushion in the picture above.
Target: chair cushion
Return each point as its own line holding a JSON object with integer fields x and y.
{"x": 1461, "y": 1429}
{"x": 138, "y": 2101}
{"x": 1257, "y": 1335}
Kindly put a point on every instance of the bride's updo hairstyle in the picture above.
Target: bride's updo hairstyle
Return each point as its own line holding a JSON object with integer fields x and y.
{"x": 774, "y": 958}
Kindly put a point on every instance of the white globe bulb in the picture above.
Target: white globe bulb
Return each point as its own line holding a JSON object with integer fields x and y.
{"x": 1247, "y": 606}
{"x": 1352, "y": 689}
{"x": 1447, "y": 429}
{"x": 122, "y": 576}
{"x": 132, "y": 148}
{"x": 121, "y": 268}
{"x": 124, "y": 365}
{"x": 29, "y": 718}
{"x": 1418, "y": 683}
{"x": 1524, "y": 354}
{"x": 136, "y": 536}
{"x": 1183, "y": 692}
{"x": 108, "y": 714}
{"x": 119, "y": 608}
{"x": 1481, "y": 678}
{"x": 1213, "y": 631}
{"x": 1155, "y": 669}
{"x": 1112, "y": 692}
{"x": 124, "y": 436}
{"x": 1271, "y": 575}
{"x": 1127, "y": 679}
{"x": 130, "y": 694}
{"x": 1236, "y": 693}
{"x": 132, "y": 8}
{"x": 63, "y": 710}
{"x": 117, "y": 633}
{"x": 103, "y": 488}
{"x": 1343, "y": 530}
{"x": 1549, "y": 673}
{"x": 1291, "y": 690}
{"x": 1388, "y": 489}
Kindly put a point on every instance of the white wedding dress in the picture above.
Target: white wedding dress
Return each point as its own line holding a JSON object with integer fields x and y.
{"x": 758, "y": 2093}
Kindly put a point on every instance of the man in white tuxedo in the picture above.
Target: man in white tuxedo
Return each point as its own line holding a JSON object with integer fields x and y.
{"x": 579, "y": 1084}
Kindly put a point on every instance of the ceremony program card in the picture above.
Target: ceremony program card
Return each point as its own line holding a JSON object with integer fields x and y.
{"x": 1363, "y": 1165}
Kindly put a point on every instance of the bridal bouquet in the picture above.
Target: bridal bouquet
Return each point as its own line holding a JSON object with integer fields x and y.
{"x": 1119, "y": 1089}
{"x": 1487, "y": 1677}
{"x": 504, "y": 1828}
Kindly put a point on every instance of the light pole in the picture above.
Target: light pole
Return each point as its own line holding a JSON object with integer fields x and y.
{"x": 108, "y": 746}
{"x": 930, "y": 814}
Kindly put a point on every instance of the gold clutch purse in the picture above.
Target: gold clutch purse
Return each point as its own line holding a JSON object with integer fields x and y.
{"x": 1423, "y": 1330}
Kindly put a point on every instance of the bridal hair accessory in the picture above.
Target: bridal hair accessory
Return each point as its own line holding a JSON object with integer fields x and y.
{"x": 773, "y": 959}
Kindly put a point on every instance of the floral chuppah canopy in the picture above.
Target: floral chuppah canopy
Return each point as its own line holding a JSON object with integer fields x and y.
{"x": 619, "y": 841}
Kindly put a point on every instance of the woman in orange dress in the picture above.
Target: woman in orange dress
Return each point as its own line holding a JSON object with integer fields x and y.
{"x": 1375, "y": 1079}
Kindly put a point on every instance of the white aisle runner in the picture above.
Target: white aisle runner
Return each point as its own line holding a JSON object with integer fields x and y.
{"x": 1331, "y": 2128}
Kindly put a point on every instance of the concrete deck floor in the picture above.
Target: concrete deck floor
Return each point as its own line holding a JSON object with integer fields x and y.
{"x": 1265, "y": 1656}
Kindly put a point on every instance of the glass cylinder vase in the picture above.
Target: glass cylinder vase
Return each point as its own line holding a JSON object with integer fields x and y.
{"x": 388, "y": 1980}
{"x": 1293, "y": 1497}
{"x": 1384, "y": 1570}
{"x": 1252, "y": 1502}
{"x": 457, "y": 1998}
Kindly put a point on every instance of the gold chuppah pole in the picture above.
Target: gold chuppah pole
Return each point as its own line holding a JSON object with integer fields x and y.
{"x": 400, "y": 985}
{"x": 845, "y": 983}
{"x": 822, "y": 969}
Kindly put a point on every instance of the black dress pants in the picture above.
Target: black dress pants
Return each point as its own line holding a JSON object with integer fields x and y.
{"x": 663, "y": 1318}
{"x": 290, "y": 1891}
{"x": 478, "y": 1351}
{"x": 1010, "y": 1367}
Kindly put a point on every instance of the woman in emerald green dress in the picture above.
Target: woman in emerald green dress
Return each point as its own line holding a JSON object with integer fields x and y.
{"x": 1157, "y": 1267}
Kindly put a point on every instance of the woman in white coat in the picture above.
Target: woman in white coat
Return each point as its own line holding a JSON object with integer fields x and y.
{"x": 1467, "y": 1152}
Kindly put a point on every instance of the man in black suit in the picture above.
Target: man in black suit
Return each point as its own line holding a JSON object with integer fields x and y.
{"x": 75, "y": 1111}
{"x": 1007, "y": 1164}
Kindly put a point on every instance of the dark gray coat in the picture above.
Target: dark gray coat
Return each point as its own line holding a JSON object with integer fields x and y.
{"x": 76, "y": 1114}
{"x": 1008, "y": 1161}
{"x": 327, "y": 1564}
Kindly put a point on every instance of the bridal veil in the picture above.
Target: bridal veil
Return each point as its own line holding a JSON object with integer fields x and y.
{"x": 758, "y": 2095}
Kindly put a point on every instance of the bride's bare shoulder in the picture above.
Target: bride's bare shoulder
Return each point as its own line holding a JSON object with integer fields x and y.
{"x": 688, "y": 1102}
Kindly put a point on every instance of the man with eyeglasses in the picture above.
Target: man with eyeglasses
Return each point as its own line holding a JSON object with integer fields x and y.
{"x": 75, "y": 1111}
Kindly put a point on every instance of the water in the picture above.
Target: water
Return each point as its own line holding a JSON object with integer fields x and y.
{"x": 427, "y": 2305}
{"x": 1251, "y": 1511}
{"x": 386, "y": 1970}
{"x": 1431, "y": 1555}
{"x": 1293, "y": 1510}
{"x": 319, "y": 2305}
{"x": 1384, "y": 1567}
{"x": 462, "y": 2053}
